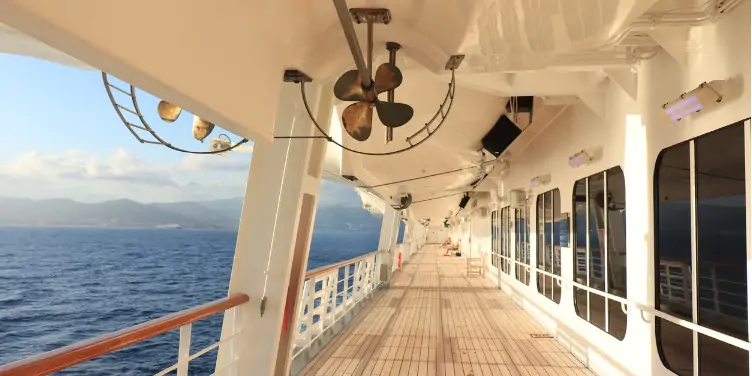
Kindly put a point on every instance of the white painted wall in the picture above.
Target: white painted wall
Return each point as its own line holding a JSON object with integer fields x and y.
{"x": 717, "y": 51}
{"x": 437, "y": 235}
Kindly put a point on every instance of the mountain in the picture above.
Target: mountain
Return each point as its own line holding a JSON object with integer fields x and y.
{"x": 221, "y": 214}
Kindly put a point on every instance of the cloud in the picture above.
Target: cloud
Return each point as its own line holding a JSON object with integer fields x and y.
{"x": 83, "y": 174}
{"x": 87, "y": 177}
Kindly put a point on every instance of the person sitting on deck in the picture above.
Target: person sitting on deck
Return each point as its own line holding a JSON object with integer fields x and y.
{"x": 452, "y": 247}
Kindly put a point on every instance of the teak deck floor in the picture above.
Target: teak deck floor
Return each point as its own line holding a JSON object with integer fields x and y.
{"x": 435, "y": 320}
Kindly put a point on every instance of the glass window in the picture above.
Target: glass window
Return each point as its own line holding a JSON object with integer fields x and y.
{"x": 600, "y": 249}
{"x": 522, "y": 243}
{"x": 494, "y": 238}
{"x": 505, "y": 232}
{"x": 715, "y": 162}
{"x": 548, "y": 213}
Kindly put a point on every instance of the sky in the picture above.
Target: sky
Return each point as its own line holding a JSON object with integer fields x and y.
{"x": 61, "y": 138}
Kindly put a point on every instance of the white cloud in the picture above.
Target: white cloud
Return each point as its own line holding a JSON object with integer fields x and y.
{"x": 88, "y": 177}
{"x": 85, "y": 176}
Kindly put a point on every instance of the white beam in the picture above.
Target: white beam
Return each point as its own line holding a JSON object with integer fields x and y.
{"x": 269, "y": 239}
{"x": 596, "y": 102}
{"x": 623, "y": 78}
{"x": 673, "y": 40}
{"x": 388, "y": 239}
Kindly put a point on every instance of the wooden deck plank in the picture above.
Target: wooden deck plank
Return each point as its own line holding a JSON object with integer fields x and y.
{"x": 434, "y": 320}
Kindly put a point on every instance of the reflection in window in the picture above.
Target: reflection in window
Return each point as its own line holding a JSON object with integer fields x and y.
{"x": 505, "y": 232}
{"x": 495, "y": 238}
{"x": 550, "y": 226}
{"x": 715, "y": 162}
{"x": 522, "y": 243}
{"x": 600, "y": 249}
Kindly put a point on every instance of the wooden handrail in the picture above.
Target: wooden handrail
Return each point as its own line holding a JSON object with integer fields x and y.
{"x": 340, "y": 264}
{"x": 68, "y": 356}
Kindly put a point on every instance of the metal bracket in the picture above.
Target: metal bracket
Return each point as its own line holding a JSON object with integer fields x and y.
{"x": 263, "y": 306}
{"x": 296, "y": 76}
{"x": 454, "y": 62}
{"x": 377, "y": 15}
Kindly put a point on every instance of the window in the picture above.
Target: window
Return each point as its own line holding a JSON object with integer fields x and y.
{"x": 505, "y": 232}
{"x": 495, "y": 238}
{"x": 700, "y": 252}
{"x": 600, "y": 249}
{"x": 548, "y": 212}
{"x": 522, "y": 243}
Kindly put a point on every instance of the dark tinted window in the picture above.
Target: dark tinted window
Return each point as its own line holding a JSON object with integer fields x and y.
{"x": 600, "y": 249}
{"x": 549, "y": 252}
{"x": 720, "y": 228}
{"x": 522, "y": 243}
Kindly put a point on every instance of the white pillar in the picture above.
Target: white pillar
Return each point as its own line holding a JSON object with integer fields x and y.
{"x": 387, "y": 242}
{"x": 280, "y": 195}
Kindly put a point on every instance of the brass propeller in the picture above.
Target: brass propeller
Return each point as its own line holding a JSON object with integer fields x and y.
{"x": 358, "y": 117}
{"x": 170, "y": 112}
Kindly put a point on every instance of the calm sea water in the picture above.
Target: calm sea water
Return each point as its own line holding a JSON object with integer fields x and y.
{"x": 62, "y": 285}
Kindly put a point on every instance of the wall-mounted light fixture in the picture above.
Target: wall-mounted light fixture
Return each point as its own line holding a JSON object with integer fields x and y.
{"x": 585, "y": 156}
{"x": 540, "y": 180}
{"x": 580, "y": 158}
{"x": 702, "y": 97}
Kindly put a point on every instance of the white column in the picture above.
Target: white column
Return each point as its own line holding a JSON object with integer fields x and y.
{"x": 387, "y": 241}
{"x": 284, "y": 175}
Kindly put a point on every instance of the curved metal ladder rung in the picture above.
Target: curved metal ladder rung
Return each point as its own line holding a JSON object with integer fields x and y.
{"x": 144, "y": 126}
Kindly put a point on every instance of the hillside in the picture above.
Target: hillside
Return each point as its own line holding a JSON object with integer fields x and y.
{"x": 219, "y": 214}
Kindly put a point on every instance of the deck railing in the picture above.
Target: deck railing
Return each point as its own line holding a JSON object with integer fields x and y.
{"x": 56, "y": 360}
{"x": 331, "y": 291}
{"x": 718, "y": 291}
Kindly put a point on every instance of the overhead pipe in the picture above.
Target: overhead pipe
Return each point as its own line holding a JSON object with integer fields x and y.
{"x": 711, "y": 13}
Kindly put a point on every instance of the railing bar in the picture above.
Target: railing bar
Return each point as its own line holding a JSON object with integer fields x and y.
{"x": 709, "y": 332}
{"x": 68, "y": 356}
{"x": 340, "y": 264}
{"x": 225, "y": 366}
{"x": 326, "y": 327}
{"x": 197, "y": 354}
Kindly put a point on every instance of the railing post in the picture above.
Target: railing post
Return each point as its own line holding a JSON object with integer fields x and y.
{"x": 184, "y": 349}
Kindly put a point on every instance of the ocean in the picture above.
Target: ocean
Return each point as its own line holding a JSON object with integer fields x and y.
{"x": 63, "y": 285}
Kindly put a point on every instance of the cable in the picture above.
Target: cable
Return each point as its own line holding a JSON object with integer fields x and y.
{"x": 436, "y": 198}
{"x": 422, "y": 177}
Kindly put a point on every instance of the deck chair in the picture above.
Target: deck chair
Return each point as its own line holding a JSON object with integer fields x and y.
{"x": 451, "y": 248}
{"x": 475, "y": 266}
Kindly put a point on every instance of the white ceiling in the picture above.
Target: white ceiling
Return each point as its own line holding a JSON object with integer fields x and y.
{"x": 224, "y": 62}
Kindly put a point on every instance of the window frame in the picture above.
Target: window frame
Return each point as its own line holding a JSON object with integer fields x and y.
{"x": 495, "y": 238}
{"x": 522, "y": 257}
{"x": 694, "y": 258}
{"x": 541, "y": 273}
{"x": 605, "y": 293}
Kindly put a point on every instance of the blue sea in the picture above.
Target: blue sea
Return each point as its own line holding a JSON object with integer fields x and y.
{"x": 63, "y": 285}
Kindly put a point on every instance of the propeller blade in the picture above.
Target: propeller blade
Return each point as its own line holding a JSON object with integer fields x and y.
{"x": 201, "y": 128}
{"x": 394, "y": 115}
{"x": 357, "y": 119}
{"x": 388, "y": 77}
{"x": 349, "y": 87}
{"x": 168, "y": 111}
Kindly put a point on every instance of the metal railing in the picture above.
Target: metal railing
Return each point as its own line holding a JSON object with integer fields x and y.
{"x": 330, "y": 292}
{"x": 645, "y": 312}
{"x": 65, "y": 357}
{"x": 717, "y": 292}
